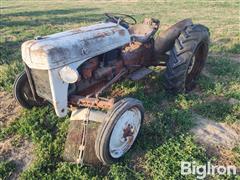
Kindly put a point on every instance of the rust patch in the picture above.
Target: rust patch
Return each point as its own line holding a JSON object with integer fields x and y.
{"x": 128, "y": 132}
{"x": 74, "y": 139}
{"x": 131, "y": 47}
{"x": 121, "y": 32}
{"x": 103, "y": 34}
{"x": 88, "y": 67}
{"x": 41, "y": 53}
{"x": 137, "y": 54}
{"x": 29, "y": 43}
{"x": 91, "y": 102}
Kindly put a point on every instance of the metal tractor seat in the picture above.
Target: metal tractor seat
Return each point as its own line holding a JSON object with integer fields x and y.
{"x": 143, "y": 32}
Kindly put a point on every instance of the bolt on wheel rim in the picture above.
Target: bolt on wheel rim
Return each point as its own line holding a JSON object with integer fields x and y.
{"x": 125, "y": 132}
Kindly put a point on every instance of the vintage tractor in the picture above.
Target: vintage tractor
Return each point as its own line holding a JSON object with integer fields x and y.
{"x": 73, "y": 69}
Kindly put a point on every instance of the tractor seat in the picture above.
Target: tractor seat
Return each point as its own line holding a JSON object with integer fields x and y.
{"x": 143, "y": 32}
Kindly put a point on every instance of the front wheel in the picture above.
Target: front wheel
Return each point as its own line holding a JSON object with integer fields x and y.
{"x": 187, "y": 59}
{"x": 118, "y": 133}
{"x": 22, "y": 93}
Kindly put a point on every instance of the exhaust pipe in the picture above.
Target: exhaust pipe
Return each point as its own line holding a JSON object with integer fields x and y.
{"x": 165, "y": 41}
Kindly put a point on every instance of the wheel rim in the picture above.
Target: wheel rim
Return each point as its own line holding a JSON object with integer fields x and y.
{"x": 125, "y": 132}
{"x": 191, "y": 64}
{"x": 197, "y": 62}
{"x": 27, "y": 94}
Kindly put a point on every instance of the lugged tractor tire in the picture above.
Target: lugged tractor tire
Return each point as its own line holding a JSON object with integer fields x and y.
{"x": 187, "y": 59}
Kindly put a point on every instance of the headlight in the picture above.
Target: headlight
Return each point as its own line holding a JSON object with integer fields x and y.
{"x": 68, "y": 74}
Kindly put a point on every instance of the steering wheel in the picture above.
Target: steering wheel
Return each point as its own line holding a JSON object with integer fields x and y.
{"x": 121, "y": 18}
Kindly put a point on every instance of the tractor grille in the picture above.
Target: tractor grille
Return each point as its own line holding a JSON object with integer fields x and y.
{"x": 41, "y": 83}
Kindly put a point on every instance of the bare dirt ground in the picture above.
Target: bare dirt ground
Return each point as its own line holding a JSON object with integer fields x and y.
{"x": 21, "y": 154}
{"x": 232, "y": 57}
{"x": 218, "y": 138}
{"x": 211, "y": 133}
{"x": 9, "y": 109}
{"x": 15, "y": 149}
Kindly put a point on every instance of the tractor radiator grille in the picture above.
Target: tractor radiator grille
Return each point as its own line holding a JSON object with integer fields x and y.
{"x": 41, "y": 83}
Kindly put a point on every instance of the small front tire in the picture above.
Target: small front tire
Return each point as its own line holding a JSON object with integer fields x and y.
{"x": 119, "y": 130}
{"x": 22, "y": 92}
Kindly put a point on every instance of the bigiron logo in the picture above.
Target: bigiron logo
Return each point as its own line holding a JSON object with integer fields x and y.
{"x": 202, "y": 171}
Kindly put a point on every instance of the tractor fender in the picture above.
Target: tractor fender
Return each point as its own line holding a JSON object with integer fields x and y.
{"x": 165, "y": 41}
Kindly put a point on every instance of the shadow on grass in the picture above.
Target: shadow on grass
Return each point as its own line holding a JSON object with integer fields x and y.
{"x": 9, "y": 7}
{"x": 50, "y": 12}
{"x": 219, "y": 110}
{"x": 235, "y": 49}
{"x": 10, "y": 49}
{"x": 54, "y": 20}
{"x": 219, "y": 46}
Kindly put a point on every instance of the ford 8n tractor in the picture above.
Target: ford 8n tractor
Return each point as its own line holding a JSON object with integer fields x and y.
{"x": 73, "y": 69}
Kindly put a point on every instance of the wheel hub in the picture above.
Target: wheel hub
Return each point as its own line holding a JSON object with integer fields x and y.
{"x": 125, "y": 132}
{"x": 128, "y": 132}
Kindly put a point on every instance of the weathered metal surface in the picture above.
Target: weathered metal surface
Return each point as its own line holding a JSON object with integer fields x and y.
{"x": 80, "y": 114}
{"x": 79, "y": 49}
{"x": 103, "y": 72}
{"x": 139, "y": 74}
{"x": 88, "y": 67}
{"x": 74, "y": 139}
{"x": 124, "y": 132}
{"x": 133, "y": 55}
{"x": 166, "y": 39}
{"x": 30, "y": 81}
{"x": 59, "y": 90}
{"x": 143, "y": 32}
{"x": 75, "y": 135}
{"x": 113, "y": 80}
{"x": 41, "y": 82}
{"x": 91, "y": 102}
{"x": 87, "y": 87}
{"x": 80, "y": 44}
{"x": 138, "y": 54}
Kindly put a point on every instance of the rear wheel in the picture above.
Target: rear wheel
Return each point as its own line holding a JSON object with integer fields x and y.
{"x": 23, "y": 94}
{"x": 118, "y": 133}
{"x": 187, "y": 59}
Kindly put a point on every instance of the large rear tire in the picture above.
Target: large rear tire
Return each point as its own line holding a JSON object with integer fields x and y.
{"x": 187, "y": 59}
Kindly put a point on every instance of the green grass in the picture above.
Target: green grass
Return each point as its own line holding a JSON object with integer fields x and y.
{"x": 219, "y": 111}
{"x": 164, "y": 162}
{"x": 163, "y": 142}
{"x": 224, "y": 67}
{"x": 237, "y": 151}
{"x": 6, "y": 169}
{"x": 224, "y": 78}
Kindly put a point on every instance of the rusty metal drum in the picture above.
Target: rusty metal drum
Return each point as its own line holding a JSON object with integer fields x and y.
{"x": 106, "y": 136}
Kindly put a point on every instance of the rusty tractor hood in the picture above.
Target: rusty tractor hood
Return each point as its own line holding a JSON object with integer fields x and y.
{"x": 80, "y": 44}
